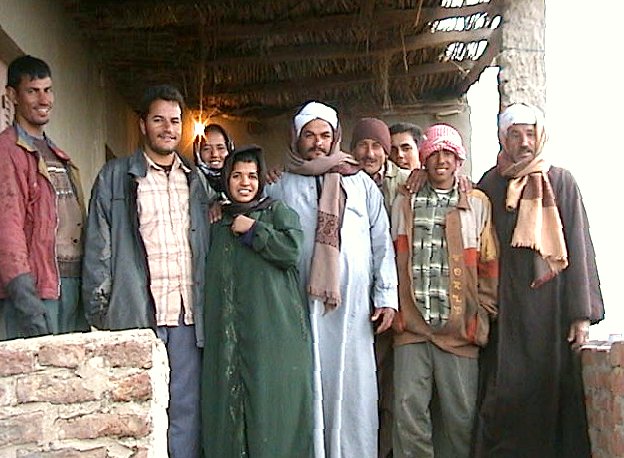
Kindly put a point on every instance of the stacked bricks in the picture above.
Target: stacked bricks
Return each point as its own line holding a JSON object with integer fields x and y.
{"x": 603, "y": 376}
{"x": 93, "y": 395}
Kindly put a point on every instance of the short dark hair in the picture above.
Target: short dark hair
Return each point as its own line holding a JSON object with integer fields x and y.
{"x": 159, "y": 92}
{"x": 30, "y": 66}
{"x": 415, "y": 131}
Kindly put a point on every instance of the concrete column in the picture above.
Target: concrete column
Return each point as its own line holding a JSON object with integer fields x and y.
{"x": 522, "y": 76}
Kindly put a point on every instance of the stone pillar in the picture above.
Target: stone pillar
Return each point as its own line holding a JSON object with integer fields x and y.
{"x": 522, "y": 76}
{"x": 97, "y": 394}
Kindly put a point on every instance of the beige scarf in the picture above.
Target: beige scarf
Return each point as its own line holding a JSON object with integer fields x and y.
{"x": 538, "y": 225}
{"x": 324, "y": 281}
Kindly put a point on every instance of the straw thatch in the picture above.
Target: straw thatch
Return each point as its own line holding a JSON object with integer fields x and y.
{"x": 251, "y": 58}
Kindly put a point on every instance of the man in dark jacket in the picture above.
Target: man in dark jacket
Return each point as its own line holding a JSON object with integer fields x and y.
{"x": 42, "y": 215}
{"x": 549, "y": 293}
{"x": 146, "y": 244}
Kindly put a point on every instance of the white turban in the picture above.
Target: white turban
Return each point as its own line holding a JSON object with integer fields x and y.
{"x": 312, "y": 111}
{"x": 518, "y": 113}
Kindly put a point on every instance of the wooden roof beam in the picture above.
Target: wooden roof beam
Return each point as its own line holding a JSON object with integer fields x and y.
{"x": 330, "y": 52}
{"x": 312, "y": 84}
{"x": 492, "y": 50}
{"x": 188, "y": 18}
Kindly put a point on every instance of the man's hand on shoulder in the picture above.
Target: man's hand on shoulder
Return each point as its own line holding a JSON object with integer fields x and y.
{"x": 274, "y": 174}
{"x": 384, "y": 317}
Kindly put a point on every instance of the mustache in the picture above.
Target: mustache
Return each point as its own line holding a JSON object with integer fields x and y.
{"x": 317, "y": 148}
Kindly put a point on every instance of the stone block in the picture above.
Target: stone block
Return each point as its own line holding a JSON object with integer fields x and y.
{"x": 134, "y": 387}
{"x": 15, "y": 360}
{"x": 55, "y": 387}
{"x": 69, "y": 356}
{"x": 104, "y": 425}
{"x": 21, "y": 429}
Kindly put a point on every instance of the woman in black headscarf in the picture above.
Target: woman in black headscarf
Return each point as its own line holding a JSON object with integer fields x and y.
{"x": 210, "y": 157}
{"x": 257, "y": 379}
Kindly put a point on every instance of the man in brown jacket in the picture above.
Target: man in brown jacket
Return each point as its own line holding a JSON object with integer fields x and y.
{"x": 447, "y": 294}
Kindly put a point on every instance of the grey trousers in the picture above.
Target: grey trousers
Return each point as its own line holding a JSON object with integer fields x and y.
{"x": 66, "y": 313}
{"x": 435, "y": 402}
{"x": 184, "y": 431}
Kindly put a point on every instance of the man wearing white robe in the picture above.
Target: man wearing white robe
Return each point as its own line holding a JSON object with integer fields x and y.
{"x": 324, "y": 185}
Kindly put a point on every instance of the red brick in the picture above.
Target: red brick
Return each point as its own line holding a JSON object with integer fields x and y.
{"x": 21, "y": 429}
{"x": 127, "y": 354}
{"x": 57, "y": 388}
{"x": 104, "y": 425}
{"x": 99, "y": 452}
{"x": 616, "y": 443}
{"x": 616, "y": 355}
{"x": 141, "y": 453}
{"x": 69, "y": 356}
{"x": 15, "y": 361}
{"x": 7, "y": 392}
{"x": 135, "y": 387}
{"x": 616, "y": 381}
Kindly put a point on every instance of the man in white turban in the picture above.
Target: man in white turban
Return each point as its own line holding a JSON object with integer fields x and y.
{"x": 348, "y": 272}
{"x": 532, "y": 401}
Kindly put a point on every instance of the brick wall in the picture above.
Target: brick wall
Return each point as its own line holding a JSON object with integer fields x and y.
{"x": 603, "y": 375}
{"x": 93, "y": 395}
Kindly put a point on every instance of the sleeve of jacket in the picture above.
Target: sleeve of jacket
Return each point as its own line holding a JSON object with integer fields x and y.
{"x": 384, "y": 291}
{"x": 279, "y": 241}
{"x": 13, "y": 247}
{"x": 487, "y": 266}
{"x": 582, "y": 292}
{"x": 96, "y": 269}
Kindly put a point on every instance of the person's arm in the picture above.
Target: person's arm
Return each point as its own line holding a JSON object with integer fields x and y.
{"x": 418, "y": 178}
{"x": 15, "y": 273}
{"x": 278, "y": 241}
{"x": 384, "y": 291}
{"x": 96, "y": 270}
{"x": 488, "y": 262}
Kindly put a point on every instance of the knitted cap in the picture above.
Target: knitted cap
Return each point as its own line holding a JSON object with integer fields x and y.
{"x": 372, "y": 129}
{"x": 441, "y": 137}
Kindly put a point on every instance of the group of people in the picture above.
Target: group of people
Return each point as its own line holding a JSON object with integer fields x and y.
{"x": 361, "y": 304}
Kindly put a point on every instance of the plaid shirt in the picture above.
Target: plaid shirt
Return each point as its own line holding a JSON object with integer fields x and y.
{"x": 430, "y": 265}
{"x": 164, "y": 221}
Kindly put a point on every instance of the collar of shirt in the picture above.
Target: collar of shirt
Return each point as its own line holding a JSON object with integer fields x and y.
{"x": 177, "y": 163}
{"x": 378, "y": 178}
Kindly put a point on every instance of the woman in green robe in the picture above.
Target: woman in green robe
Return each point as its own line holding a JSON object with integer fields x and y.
{"x": 257, "y": 361}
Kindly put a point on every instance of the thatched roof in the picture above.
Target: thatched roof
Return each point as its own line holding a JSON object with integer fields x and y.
{"x": 253, "y": 58}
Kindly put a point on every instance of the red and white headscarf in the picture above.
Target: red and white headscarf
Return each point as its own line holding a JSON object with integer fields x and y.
{"x": 442, "y": 137}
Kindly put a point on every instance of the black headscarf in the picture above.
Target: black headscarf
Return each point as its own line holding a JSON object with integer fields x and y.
{"x": 245, "y": 154}
{"x": 213, "y": 176}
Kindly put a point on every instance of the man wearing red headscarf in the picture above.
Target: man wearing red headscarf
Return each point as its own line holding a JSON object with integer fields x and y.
{"x": 533, "y": 403}
{"x": 448, "y": 271}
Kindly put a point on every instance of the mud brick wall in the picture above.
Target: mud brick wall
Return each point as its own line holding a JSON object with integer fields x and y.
{"x": 91, "y": 395}
{"x": 603, "y": 375}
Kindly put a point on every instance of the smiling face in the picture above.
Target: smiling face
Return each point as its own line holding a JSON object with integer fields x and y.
{"x": 33, "y": 100}
{"x": 214, "y": 150}
{"x": 243, "y": 181}
{"x": 315, "y": 139}
{"x": 441, "y": 167}
{"x": 370, "y": 154}
{"x": 162, "y": 128}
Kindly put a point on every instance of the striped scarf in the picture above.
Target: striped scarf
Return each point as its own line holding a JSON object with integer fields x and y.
{"x": 538, "y": 225}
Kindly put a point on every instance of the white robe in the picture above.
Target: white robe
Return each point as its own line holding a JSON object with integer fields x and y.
{"x": 345, "y": 384}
